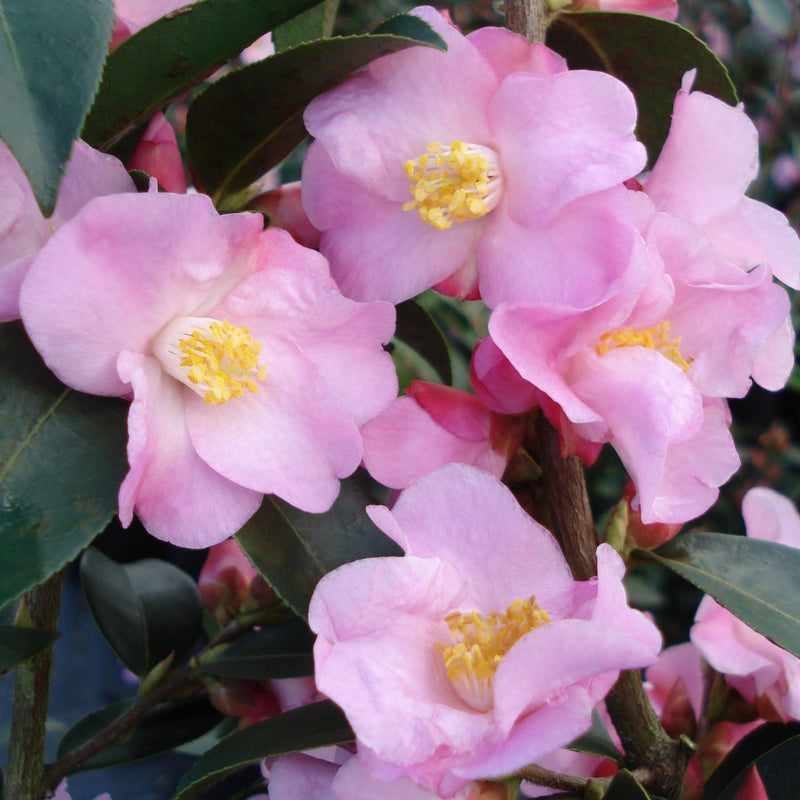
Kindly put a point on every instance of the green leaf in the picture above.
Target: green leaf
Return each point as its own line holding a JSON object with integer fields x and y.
{"x": 277, "y": 651}
{"x": 650, "y": 55}
{"x": 225, "y": 158}
{"x": 292, "y": 549}
{"x": 597, "y": 742}
{"x": 173, "y": 54}
{"x": 625, "y": 787}
{"x": 51, "y": 57}
{"x": 163, "y": 728}
{"x": 315, "y": 725}
{"x": 19, "y": 644}
{"x": 417, "y": 328}
{"x": 62, "y": 458}
{"x": 316, "y": 23}
{"x": 757, "y": 581}
{"x": 775, "y": 749}
{"x": 145, "y": 610}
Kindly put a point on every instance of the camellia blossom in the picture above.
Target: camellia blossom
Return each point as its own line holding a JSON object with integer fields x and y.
{"x": 759, "y": 670}
{"x": 479, "y": 168}
{"x": 249, "y": 372}
{"x": 158, "y": 155}
{"x": 23, "y": 229}
{"x": 435, "y": 425}
{"x": 478, "y": 644}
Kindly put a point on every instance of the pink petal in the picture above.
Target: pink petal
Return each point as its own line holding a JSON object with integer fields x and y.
{"x": 440, "y": 518}
{"x": 563, "y": 136}
{"x": 158, "y": 155}
{"x": 298, "y": 775}
{"x": 508, "y": 52}
{"x": 177, "y": 496}
{"x": 772, "y": 517}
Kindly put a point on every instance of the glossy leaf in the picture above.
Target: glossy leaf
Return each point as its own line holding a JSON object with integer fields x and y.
{"x": 227, "y": 159}
{"x": 145, "y": 610}
{"x": 163, "y": 728}
{"x": 625, "y": 787}
{"x": 276, "y": 651}
{"x": 316, "y": 23}
{"x": 316, "y": 725}
{"x": 46, "y": 90}
{"x": 62, "y": 458}
{"x": 650, "y": 55}
{"x": 173, "y": 54}
{"x": 597, "y": 742}
{"x": 774, "y": 748}
{"x": 417, "y": 328}
{"x": 757, "y": 581}
{"x": 18, "y": 644}
{"x": 292, "y": 549}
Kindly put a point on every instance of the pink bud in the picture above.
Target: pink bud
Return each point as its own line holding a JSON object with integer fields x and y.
{"x": 157, "y": 154}
{"x": 285, "y": 210}
{"x": 225, "y": 580}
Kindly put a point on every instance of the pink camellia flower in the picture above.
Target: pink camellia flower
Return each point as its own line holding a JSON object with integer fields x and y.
{"x": 23, "y": 229}
{"x": 665, "y": 9}
{"x": 436, "y": 425}
{"x": 759, "y": 670}
{"x": 479, "y": 168}
{"x": 249, "y": 371}
{"x": 478, "y": 644}
{"x": 158, "y": 155}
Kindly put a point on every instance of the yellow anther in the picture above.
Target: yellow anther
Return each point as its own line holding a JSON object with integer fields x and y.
{"x": 453, "y": 184}
{"x": 655, "y": 338}
{"x": 220, "y": 360}
{"x": 479, "y": 644}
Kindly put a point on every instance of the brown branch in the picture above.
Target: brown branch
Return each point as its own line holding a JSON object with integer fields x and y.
{"x": 528, "y": 17}
{"x": 25, "y": 771}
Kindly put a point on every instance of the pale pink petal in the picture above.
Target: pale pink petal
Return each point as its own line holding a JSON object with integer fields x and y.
{"x": 559, "y": 262}
{"x": 681, "y": 662}
{"x": 771, "y": 517}
{"x": 497, "y": 383}
{"x": 129, "y": 263}
{"x": 773, "y": 365}
{"x": 581, "y": 124}
{"x": 648, "y": 404}
{"x": 355, "y": 782}
{"x": 439, "y": 517}
{"x": 708, "y": 160}
{"x": 177, "y": 496}
{"x": 509, "y": 52}
{"x": 298, "y": 775}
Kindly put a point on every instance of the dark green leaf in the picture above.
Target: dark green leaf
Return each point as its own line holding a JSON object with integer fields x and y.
{"x": 292, "y": 550}
{"x": 173, "y": 54}
{"x": 774, "y": 748}
{"x": 316, "y": 23}
{"x": 165, "y": 727}
{"x": 650, "y": 55}
{"x": 145, "y": 610}
{"x": 18, "y": 644}
{"x": 625, "y": 787}
{"x": 597, "y": 742}
{"x": 757, "y": 581}
{"x": 226, "y": 159}
{"x": 417, "y": 329}
{"x": 316, "y": 725}
{"x": 51, "y": 57}
{"x": 62, "y": 458}
{"x": 277, "y": 651}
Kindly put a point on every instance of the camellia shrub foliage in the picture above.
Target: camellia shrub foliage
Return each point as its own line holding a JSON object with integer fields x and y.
{"x": 424, "y": 328}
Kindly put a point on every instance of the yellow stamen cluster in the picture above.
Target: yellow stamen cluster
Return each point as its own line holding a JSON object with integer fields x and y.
{"x": 222, "y": 359}
{"x": 450, "y": 184}
{"x": 655, "y": 338}
{"x": 480, "y": 644}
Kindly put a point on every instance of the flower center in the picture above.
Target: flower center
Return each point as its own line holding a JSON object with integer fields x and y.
{"x": 217, "y": 360}
{"x": 479, "y": 644}
{"x": 655, "y": 338}
{"x": 453, "y": 184}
